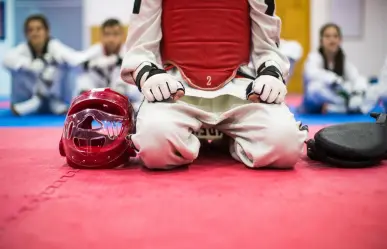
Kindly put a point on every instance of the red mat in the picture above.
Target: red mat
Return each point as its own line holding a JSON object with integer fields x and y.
{"x": 221, "y": 204}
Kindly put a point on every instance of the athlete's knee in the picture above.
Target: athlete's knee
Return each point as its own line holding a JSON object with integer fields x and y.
{"x": 155, "y": 131}
{"x": 287, "y": 141}
{"x": 280, "y": 146}
{"x": 162, "y": 143}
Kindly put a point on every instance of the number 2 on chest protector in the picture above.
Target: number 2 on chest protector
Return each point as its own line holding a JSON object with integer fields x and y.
{"x": 209, "y": 81}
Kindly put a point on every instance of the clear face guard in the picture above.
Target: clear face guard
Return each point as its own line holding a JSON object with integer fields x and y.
{"x": 93, "y": 131}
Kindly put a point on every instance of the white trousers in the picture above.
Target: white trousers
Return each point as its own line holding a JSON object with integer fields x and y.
{"x": 262, "y": 134}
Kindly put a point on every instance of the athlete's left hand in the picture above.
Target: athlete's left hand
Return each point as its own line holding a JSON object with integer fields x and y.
{"x": 268, "y": 87}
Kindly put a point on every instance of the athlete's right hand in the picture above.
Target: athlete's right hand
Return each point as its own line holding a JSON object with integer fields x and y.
{"x": 160, "y": 87}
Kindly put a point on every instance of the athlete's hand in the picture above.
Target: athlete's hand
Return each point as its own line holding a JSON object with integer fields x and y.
{"x": 49, "y": 73}
{"x": 49, "y": 59}
{"x": 36, "y": 66}
{"x": 162, "y": 86}
{"x": 355, "y": 102}
{"x": 268, "y": 89}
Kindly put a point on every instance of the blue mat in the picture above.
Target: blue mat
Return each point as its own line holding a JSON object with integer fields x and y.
{"x": 332, "y": 119}
{"x": 8, "y": 120}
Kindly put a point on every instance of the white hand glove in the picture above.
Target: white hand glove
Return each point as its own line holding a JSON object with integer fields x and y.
{"x": 269, "y": 89}
{"x": 36, "y": 66}
{"x": 160, "y": 87}
{"x": 49, "y": 74}
{"x": 104, "y": 62}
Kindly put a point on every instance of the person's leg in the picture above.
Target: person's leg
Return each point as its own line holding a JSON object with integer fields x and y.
{"x": 319, "y": 97}
{"x": 56, "y": 95}
{"x": 69, "y": 82}
{"x": 164, "y": 135}
{"x": 23, "y": 99}
{"x": 264, "y": 135}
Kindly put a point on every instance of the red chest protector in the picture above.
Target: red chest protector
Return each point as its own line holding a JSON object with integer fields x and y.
{"x": 207, "y": 40}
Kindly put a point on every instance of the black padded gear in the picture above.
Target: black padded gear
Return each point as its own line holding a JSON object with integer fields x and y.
{"x": 155, "y": 71}
{"x": 352, "y": 145}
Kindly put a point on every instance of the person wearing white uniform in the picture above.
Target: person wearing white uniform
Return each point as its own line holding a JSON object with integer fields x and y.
{"x": 37, "y": 68}
{"x": 332, "y": 84}
{"x": 103, "y": 68}
{"x": 204, "y": 44}
{"x": 379, "y": 91}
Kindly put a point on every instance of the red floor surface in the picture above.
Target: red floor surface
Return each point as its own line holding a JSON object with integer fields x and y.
{"x": 212, "y": 205}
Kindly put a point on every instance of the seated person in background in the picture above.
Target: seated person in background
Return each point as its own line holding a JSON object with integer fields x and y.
{"x": 103, "y": 68}
{"x": 377, "y": 93}
{"x": 332, "y": 84}
{"x": 293, "y": 50}
{"x": 37, "y": 68}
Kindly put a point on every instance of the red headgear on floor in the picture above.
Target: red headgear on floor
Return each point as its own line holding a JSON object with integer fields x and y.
{"x": 97, "y": 130}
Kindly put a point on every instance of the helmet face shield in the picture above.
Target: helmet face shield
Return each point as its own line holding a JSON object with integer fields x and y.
{"x": 96, "y": 130}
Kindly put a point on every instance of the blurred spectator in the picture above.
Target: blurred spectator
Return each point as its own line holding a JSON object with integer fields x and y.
{"x": 377, "y": 92}
{"x": 293, "y": 51}
{"x": 332, "y": 84}
{"x": 381, "y": 86}
{"x": 103, "y": 68}
{"x": 38, "y": 67}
